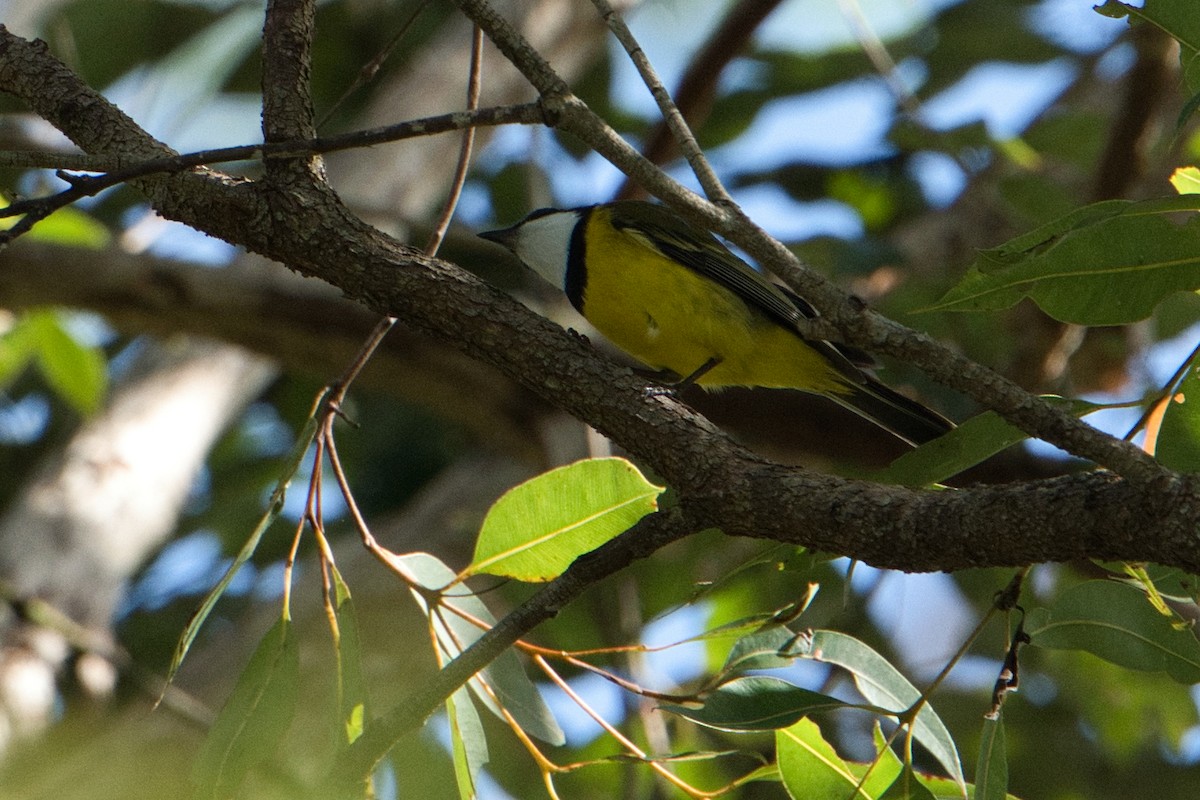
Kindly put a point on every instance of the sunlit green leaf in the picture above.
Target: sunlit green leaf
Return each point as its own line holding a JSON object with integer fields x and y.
{"x": 1106, "y": 264}
{"x": 73, "y": 228}
{"x": 811, "y": 769}
{"x": 1115, "y": 622}
{"x": 1186, "y": 180}
{"x": 537, "y": 529}
{"x": 1178, "y": 444}
{"x": 758, "y": 703}
{"x": 251, "y": 726}
{"x": 883, "y": 685}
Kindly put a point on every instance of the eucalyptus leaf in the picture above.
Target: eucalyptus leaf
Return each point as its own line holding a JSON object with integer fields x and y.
{"x": 757, "y": 703}
{"x": 882, "y": 685}
{"x": 1116, "y": 622}
{"x": 505, "y": 676}
{"x": 1106, "y": 264}
{"x": 538, "y": 528}
{"x": 467, "y": 742}
{"x": 251, "y": 726}
{"x": 991, "y": 769}
{"x": 352, "y": 686}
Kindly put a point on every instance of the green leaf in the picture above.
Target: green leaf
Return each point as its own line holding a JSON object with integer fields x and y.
{"x": 811, "y": 769}
{"x": 538, "y": 528}
{"x": 1186, "y": 180}
{"x": 972, "y": 442}
{"x": 506, "y": 677}
{"x": 17, "y": 347}
{"x": 1105, "y": 264}
{"x": 882, "y": 685}
{"x": 72, "y": 228}
{"x": 1177, "y": 19}
{"x": 908, "y": 786}
{"x": 192, "y": 629}
{"x": 991, "y": 770}
{"x": 1178, "y": 445}
{"x": 352, "y": 686}
{"x": 251, "y": 725}
{"x": 757, "y": 703}
{"x": 67, "y": 226}
{"x": 760, "y": 649}
{"x": 75, "y": 372}
{"x": 1115, "y": 622}
{"x": 468, "y": 743}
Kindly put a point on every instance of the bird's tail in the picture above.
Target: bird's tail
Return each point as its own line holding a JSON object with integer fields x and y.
{"x": 904, "y": 417}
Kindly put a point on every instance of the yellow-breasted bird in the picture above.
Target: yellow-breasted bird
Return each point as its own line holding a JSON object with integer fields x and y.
{"x": 673, "y": 297}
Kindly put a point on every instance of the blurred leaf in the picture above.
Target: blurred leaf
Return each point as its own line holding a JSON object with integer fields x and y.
{"x": 882, "y": 685}
{"x": 978, "y": 31}
{"x": 68, "y": 226}
{"x": 197, "y": 620}
{"x": 467, "y": 740}
{"x": 506, "y": 677}
{"x": 75, "y": 372}
{"x": 538, "y": 528}
{"x": 1186, "y": 180}
{"x": 991, "y": 770}
{"x": 1034, "y": 197}
{"x": 146, "y": 29}
{"x": 251, "y": 726}
{"x": 758, "y": 703}
{"x": 1115, "y": 622}
{"x": 1125, "y": 714}
{"x": 1104, "y": 264}
{"x": 1177, "y": 18}
{"x": 17, "y": 348}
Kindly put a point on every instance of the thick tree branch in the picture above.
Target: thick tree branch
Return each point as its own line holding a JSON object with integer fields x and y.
{"x": 1091, "y": 515}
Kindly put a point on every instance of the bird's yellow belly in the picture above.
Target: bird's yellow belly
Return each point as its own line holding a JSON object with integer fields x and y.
{"x": 669, "y": 317}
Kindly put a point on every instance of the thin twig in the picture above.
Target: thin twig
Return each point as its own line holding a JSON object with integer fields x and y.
{"x": 37, "y": 209}
{"x": 694, "y": 94}
{"x": 372, "y": 67}
{"x": 679, "y": 128}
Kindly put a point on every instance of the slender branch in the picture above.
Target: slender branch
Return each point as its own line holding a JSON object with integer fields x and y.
{"x": 37, "y": 209}
{"x": 683, "y": 135}
{"x": 694, "y": 95}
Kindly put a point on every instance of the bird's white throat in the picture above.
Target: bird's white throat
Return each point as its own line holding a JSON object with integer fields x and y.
{"x": 544, "y": 244}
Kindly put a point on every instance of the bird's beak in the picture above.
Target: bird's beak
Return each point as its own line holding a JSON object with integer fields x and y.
{"x": 503, "y": 236}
